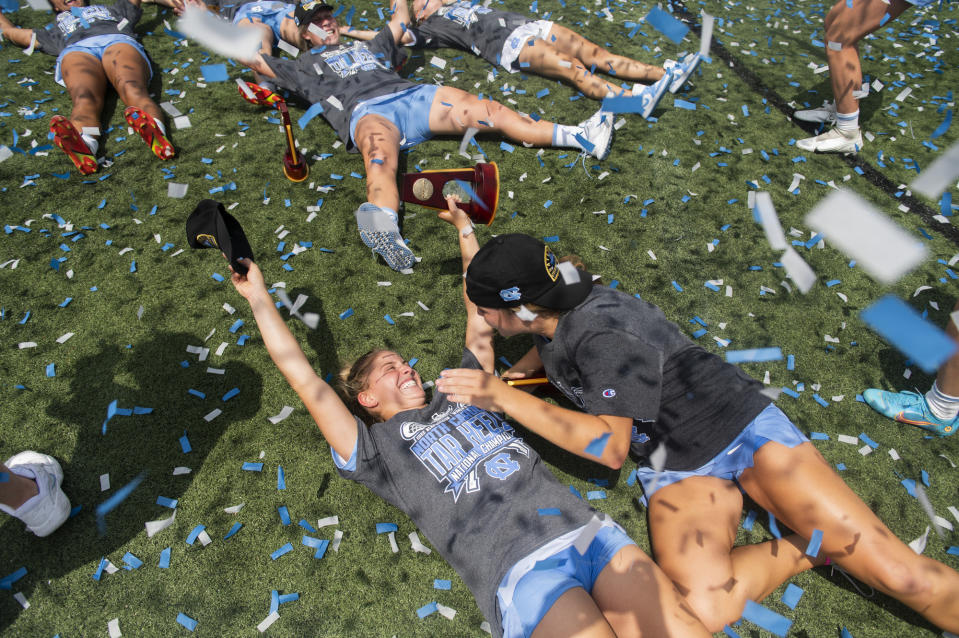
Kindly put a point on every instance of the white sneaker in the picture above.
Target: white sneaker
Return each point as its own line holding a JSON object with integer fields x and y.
{"x": 598, "y": 131}
{"x": 650, "y": 95}
{"x": 825, "y": 114}
{"x": 681, "y": 70}
{"x": 833, "y": 141}
{"x": 381, "y": 233}
{"x": 46, "y": 511}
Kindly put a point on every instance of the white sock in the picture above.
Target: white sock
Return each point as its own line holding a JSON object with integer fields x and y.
{"x": 565, "y": 136}
{"x": 847, "y": 121}
{"x": 92, "y": 143}
{"x": 942, "y": 405}
{"x": 391, "y": 213}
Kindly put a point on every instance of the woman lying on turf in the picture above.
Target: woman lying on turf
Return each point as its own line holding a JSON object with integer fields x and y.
{"x": 376, "y": 111}
{"x": 700, "y": 430}
{"x": 514, "y": 42}
{"x": 95, "y": 45}
{"x": 480, "y": 494}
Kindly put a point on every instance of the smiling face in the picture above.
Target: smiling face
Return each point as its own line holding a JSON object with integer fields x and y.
{"x": 391, "y": 386}
{"x": 324, "y": 20}
{"x": 65, "y": 5}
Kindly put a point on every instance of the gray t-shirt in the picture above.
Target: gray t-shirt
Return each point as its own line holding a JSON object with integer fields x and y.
{"x": 470, "y": 27}
{"x": 347, "y": 73}
{"x": 618, "y": 355}
{"x": 80, "y": 23}
{"x": 470, "y": 485}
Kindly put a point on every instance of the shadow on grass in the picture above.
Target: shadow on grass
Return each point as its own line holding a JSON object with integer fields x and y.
{"x": 148, "y": 374}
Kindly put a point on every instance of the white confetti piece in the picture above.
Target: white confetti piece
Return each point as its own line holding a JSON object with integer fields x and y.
{"x": 180, "y": 471}
{"x": 284, "y": 413}
{"x": 445, "y": 612}
{"x": 215, "y": 370}
{"x": 234, "y": 509}
{"x": 113, "y": 627}
{"x": 798, "y": 270}
{"x": 438, "y": 62}
{"x": 934, "y": 179}
{"x": 337, "y": 538}
{"x": 797, "y": 177}
{"x": 217, "y": 34}
{"x": 178, "y": 191}
{"x": 856, "y": 227}
{"x": 585, "y": 538}
{"x": 864, "y": 450}
{"x": 770, "y": 221}
{"x": 220, "y": 349}
{"x": 919, "y": 544}
{"x": 393, "y": 546}
{"x": 27, "y": 344}
{"x": 335, "y": 103}
{"x": 20, "y": 598}
{"x": 845, "y": 438}
{"x": 159, "y": 525}
{"x": 329, "y": 520}
{"x": 229, "y": 309}
{"x": 104, "y": 482}
{"x": 287, "y": 48}
{"x": 182, "y": 122}
{"x": 204, "y": 538}
{"x": 269, "y": 620}
{"x": 316, "y": 30}
{"x": 894, "y": 454}
{"x": 954, "y": 512}
{"x": 212, "y": 415}
{"x": 423, "y": 306}
{"x": 417, "y": 545}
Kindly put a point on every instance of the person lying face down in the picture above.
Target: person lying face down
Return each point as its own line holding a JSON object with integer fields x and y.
{"x": 376, "y": 112}
{"x": 475, "y": 489}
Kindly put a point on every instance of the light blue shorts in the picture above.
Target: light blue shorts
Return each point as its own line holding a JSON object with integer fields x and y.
{"x": 769, "y": 425}
{"x": 408, "y": 110}
{"x": 270, "y": 13}
{"x": 534, "y": 584}
{"x": 95, "y": 46}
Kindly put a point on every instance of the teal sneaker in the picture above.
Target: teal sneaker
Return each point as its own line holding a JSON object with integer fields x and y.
{"x": 908, "y": 407}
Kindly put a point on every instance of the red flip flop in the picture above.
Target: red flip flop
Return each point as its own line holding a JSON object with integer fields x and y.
{"x": 146, "y": 128}
{"x": 69, "y": 140}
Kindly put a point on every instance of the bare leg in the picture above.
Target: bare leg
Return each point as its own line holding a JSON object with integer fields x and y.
{"x": 638, "y": 599}
{"x": 546, "y": 60}
{"x": 852, "y": 534}
{"x": 379, "y": 143}
{"x": 574, "y": 614}
{"x": 948, "y": 377}
{"x": 693, "y": 527}
{"x": 129, "y": 75}
{"x": 87, "y": 84}
{"x": 589, "y": 53}
{"x": 266, "y": 40}
{"x": 17, "y": 490}
{"x": 465, "y": 111}
{"x": 847, "y": 26}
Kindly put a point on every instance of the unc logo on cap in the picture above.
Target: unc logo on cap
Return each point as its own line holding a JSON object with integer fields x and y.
{"x": 609, "y": 393}
{"x": 510, "y": 294}
{"x": 549, "y": 261}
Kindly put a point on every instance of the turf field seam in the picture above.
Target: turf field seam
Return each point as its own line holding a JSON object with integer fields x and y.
{"x": 869, "y": 172}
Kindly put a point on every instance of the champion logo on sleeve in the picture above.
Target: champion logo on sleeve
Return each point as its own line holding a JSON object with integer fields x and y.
{"x": 609, "y": 393}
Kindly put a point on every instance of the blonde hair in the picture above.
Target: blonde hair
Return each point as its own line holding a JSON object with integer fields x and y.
{"x": 353, "y": 380}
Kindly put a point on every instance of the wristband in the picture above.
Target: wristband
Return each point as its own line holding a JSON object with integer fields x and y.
{"x": 467, "y": 231}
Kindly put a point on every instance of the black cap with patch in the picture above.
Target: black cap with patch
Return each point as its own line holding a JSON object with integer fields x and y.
{"x": 514, "y": 269}
{"x": 306, "y": 11}
{"x": 210, "y": 226}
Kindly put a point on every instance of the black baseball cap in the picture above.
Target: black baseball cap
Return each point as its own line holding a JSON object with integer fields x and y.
{"x": 510, "y": 270}
{"x": 210, "y": 226}
{"x": 306, "y": 11}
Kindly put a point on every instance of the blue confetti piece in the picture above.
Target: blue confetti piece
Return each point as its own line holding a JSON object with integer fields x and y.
{"x": 426, "y": 610}
{"x": 214, "y": 73}
{"x": 815, "y": 542}
{"x": 346, "y": 313}
{"x": 288, "y": 598}
{"x": 191, "y": 538}
{"x": 542, "y": 93}
{"x": 182, "y": 618}
{"x": 196, "y": 393}
{"x": 167, "y": 502}
{"x": 903, "y": 327}
{"x": 185, "y": 444}
{"x": 310, "y": 113}
{"x": 840, "y": 467}
{"x": 925, "y": 477}
{"x": 66, "y": 302}
{"x": 821, "y": 401}
{"x": 280, "y": 478}
{"x": 385, "y": 528}
{"x": 766, "y": 618}
{"x": 942, "y": 128}
{"x": 439, "y": 583}
{"x": 548, "y": 511}
{"x": 790, "y": 392}
{"x": 667, "y": 25}
{"x": 745, "y": 111}
{"x": 233, "y": 530}
{"x": 750, "y": 520}
{"x": 284, "y": 514}
{"x": 597, "y": 445}
{"x": 754, "y": 354}
{"x": 164, "y": 559}
{"x": 791, "y": 362}
{"x": 232, "y": 393}
{"x": 953, "y": 551}
{"x": 819, "y": 436}
{"x": 509, "y": 148}
{"x": 114, "y": 501}
{"x": 96, "y": 574}
{"x": 624, "y": 104}
{"x": 286, "y": 549}
{"x": 7, "y": 581}
{"x": 575, "y": 492}
{"x": 677, "y": 286}
{"x": 216, "y": 276}
{"x": 773, "y": 527}
{"x": 845, "y": 633}
{"x": 252, "y": 467}
{"x": 910, "y": 486}
{"x": 133, "y": 266}
{"x": 389, "y": 320}
{"x": 729, "y": 631}
{"x": 236, "y": 325}
{"x": 865, "y": 439}
{"x": 51, "y": 370}
{"x": 792, "y": 595}
{"x": 305, "y": 524}
{"x": 132, "y": 560}
{"x": 595, "y": 495}
{"x": 683, "y": 104}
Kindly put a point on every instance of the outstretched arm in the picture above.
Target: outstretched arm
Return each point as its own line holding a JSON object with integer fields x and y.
{"x": 19, "y": 36}
{"x": 479, "y": 336}
{"x": 331, "y": 415}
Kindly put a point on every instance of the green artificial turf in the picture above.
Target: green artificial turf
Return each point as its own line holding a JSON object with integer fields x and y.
{"x": 644, "y": 219}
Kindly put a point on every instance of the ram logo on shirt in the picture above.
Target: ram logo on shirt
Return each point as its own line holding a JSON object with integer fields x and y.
{"x": 70, "y": 21}
{"x": 457, "y": 446}
{"x": 348, "y": 61}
